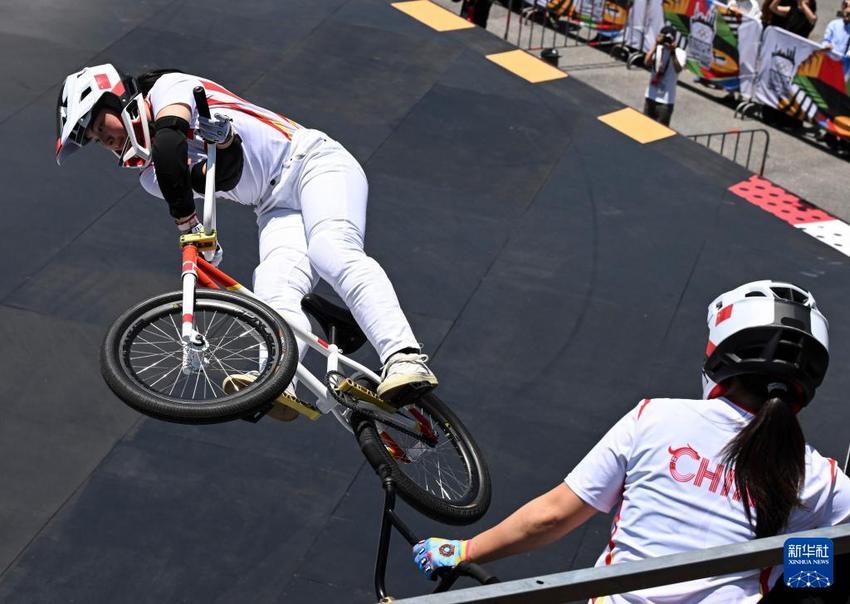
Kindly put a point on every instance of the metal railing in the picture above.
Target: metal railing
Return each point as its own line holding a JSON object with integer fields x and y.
{"x": 740, "y": 145}
{"x": 536, "y": 25}
{"x": 629, "y": 576}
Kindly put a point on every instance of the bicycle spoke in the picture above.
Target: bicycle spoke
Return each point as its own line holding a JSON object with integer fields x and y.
{"x": 437, "y": 469}
{"x": 233, "y": 346}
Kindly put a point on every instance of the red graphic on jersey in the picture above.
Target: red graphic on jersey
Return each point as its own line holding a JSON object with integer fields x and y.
{"x": 279, "y": 122}
{"x": 702, "y": 472}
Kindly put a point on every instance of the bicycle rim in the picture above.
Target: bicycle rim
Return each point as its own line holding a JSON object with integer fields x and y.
{"x": 235, "y": 342}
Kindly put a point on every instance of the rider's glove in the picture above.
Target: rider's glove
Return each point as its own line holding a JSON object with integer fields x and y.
{"x": 435, "y": 553}
{"x": 215, "y": 129}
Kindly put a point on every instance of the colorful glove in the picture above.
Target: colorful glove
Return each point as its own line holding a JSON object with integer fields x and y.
{"x": 214, "y": 129}
{"x": 435, "y": 553}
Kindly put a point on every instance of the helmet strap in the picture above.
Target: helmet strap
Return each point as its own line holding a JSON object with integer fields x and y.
{"x": 137, "y": 149}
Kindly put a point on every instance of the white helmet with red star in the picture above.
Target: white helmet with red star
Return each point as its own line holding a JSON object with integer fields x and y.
{"x": 84, "y": 94}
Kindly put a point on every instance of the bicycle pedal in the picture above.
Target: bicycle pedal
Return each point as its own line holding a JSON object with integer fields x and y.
{"x": 310, "y": 411}
{"x": 350, "y": 387}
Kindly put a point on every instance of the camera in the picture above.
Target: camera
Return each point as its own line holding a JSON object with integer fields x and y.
{"x": 668, "y": 35}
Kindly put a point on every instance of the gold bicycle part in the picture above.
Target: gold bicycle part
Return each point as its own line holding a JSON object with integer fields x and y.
{"x": 348, "y": 386}
{"x": 205, "y": 242}
{"x": 295, "y": 404}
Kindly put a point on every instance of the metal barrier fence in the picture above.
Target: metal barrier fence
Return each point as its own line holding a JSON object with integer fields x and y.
{"x": 540, "y": 24}
{"x": 740, "y": 144}
{"x": 620, "y": 578}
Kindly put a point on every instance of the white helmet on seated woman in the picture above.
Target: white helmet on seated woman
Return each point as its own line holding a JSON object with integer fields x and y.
{"x": 767, "y": 328}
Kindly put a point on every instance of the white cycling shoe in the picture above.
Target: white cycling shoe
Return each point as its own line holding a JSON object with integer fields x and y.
{"x": 405, "y": 376}
{"x": 281, "y": 412}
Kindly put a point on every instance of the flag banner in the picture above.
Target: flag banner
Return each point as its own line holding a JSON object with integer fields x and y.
{"x": 605, "y": 16}
{"x": 645, "y": 20}
{"x": 722, "y": 44}
{"x": 820, "y": 92}
{"x": 635, "y": 25}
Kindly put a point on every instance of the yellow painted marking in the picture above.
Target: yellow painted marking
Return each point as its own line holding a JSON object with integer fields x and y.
{"x": 235, "y": 288}
{"x": 636, "y": 125}
{"x": 527, "y": 66}
{"x": 432, "y": 15}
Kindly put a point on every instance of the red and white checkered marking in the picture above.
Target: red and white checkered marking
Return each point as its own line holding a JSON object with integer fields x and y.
{"x": 795, "y": 211}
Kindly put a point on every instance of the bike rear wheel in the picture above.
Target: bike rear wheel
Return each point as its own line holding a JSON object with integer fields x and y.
{"x": 144, "y": 362}
{"x": 445, "y": 476}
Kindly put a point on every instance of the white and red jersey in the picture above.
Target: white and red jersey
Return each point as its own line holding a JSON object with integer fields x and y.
{"x": 661, "y": 465}
{"x": 265, "y": 135}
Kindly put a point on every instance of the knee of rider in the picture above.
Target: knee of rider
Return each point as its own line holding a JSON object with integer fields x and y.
{"x": 334, "y": 254}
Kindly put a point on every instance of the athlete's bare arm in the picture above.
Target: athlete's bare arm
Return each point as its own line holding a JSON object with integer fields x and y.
{"x": 539, "y": 522}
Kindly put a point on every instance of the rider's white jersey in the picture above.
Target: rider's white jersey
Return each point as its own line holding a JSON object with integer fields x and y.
{"x": 265, "y": 136}
{"x": 661, "y": 465}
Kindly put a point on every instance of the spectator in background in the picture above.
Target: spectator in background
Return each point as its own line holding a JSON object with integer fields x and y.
{"x": 766, "y": 15}
{"x": 837, "y": 34}
{"x": 476, "y": 11}
{"x": 665, "y": 60}
{"x": 797, "y": 16}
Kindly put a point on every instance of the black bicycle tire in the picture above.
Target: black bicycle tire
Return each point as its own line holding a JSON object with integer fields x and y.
{"x": 469, "y": 510}
{"x": 225, "y": 408}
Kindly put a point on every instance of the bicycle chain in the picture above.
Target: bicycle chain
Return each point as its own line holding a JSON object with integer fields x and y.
{"x": 341, "y": 399}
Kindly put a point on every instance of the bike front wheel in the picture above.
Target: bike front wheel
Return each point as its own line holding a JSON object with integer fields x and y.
{"x": 146, "y": 363}
{"x": 444, "y": 475}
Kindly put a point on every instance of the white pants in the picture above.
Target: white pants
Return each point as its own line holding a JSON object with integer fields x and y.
{"x": 312, "y": 225}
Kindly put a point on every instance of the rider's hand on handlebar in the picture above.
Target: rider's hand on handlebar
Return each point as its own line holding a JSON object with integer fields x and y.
{"x": 435, "y": 553}
{"x": 215, "y": 129}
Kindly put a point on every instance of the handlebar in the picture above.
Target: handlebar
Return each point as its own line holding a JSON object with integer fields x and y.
{"x": 201, "y": 101}
{"x": 448, "y": 576}
{"x": 209, "y": 190}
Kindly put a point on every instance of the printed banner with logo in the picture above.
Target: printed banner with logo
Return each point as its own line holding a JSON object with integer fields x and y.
{"x": 646, "y": 18}
{"x": 722, "y": 44}
{"x": 606, "y": 16}
{"x": 805, "y": 81}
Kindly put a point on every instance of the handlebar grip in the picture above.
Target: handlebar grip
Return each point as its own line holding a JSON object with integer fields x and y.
{"x": 477, "y": 572}
{"x": 448, "y": 576}
{"x": 201, "y": 101}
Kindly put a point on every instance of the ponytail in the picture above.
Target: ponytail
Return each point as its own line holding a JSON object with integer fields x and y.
{"x": 768, "y": 457}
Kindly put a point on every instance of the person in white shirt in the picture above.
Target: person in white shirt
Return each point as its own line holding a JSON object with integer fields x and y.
{"x": 308, "y": 192}
{"x": 837, "y": 34}
{"x": 665, "y": 60}
{"x": 688, "y": 474}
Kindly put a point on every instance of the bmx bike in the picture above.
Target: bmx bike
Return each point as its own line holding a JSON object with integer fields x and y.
{"x": 171, "y": 357}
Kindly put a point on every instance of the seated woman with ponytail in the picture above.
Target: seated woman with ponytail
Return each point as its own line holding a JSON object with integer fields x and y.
{"x": 693, "y": 474}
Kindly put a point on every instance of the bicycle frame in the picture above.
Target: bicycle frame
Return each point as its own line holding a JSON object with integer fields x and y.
{"x": 198, "y": 271}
